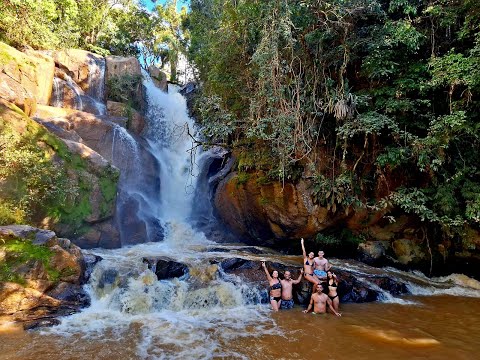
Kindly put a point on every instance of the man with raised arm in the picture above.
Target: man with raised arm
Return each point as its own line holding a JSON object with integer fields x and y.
{"x": 319, "y": 301}
{"x": 287, "y": 287}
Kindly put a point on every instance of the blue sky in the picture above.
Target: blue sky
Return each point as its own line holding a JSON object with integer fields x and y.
{"x": 151, "y": 4}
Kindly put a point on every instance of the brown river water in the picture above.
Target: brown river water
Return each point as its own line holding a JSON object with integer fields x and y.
{"x": 437, "y": 327}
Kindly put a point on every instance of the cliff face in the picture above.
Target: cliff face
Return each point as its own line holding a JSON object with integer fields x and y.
{"x": 264, "y": 212}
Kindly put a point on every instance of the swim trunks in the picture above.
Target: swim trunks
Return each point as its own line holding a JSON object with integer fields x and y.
{"x": 287, "y": 304}
{"x": 320, "y": 273}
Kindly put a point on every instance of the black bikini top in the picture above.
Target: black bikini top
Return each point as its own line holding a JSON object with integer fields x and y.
{"x": 276, "y": 286}
{"x": 334, "y": 284}
{"x": 307, "y": 263}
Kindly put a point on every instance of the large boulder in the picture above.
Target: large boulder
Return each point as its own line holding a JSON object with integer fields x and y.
{"x": 25, "y": 78}
{"x": 82, "y": 66}
{"x": 46, "y": 282}
{"x": 117, "y": 66}
{"x": 92, "y": 177}
{"x": 272, "y": 212}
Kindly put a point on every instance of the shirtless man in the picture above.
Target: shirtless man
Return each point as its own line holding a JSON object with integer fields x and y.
{"x": 320, "y": 266}
{"x": 308, "y": 266}
{"x": 320, "y": 301}
{"x": 287, "y": 283}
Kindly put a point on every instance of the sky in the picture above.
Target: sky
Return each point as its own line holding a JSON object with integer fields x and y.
{"x": 151, "y": 4}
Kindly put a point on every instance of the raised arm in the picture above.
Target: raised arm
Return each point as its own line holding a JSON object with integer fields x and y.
{"x": 299, "y": 277}
{"x": 309, "y": 305}
{"x": 266, "y": 271}
{"x": 330, "y": 304}
{"x": 303, "y": 249}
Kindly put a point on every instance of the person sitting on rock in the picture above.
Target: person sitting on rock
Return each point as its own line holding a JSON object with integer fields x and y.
{"x": 332, "y": 283}
{"x": 320, "y": 266}
{"x": 287, "y": 287}
{"x": 319, "y": 301}
{"x": 275, "y": 288}
{"x": 308, "y": 266}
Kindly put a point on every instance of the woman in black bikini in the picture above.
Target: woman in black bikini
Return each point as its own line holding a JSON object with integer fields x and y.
{"x": 275, "y": 288}
{"x": 308, "y": 267}
{"x": 332, "y": 283}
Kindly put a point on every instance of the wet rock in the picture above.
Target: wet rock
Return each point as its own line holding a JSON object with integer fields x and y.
{"x": 42, "y": 323}
{"x": 90, "y": 261}
{"x": 134, "y": 121}
{"x": 372, "y": 252}
{"x": 166, "y": 268}
{"x": 71, "y": 293}
{"x": 109, "y": 277}
{"x": 77, "y": 64}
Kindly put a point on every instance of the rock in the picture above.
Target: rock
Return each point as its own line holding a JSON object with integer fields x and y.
{"x": 51, "y": 286}
{"x": 109, "y": 277}
{"x": 135, "y": 121}
{"x": 269, "y": 213}
{"x": 372, "y": 252}
{"x": 90, "y": 261}
{"x": 25, "y": 78}
{"x": 118, "y": 66}
{"x": 159, "y": 78}
{"x": 78, "y": 65}
{"x": 36, "y": 324}
{"x": 70, "y": 293}
{"x": 165, "y": 268}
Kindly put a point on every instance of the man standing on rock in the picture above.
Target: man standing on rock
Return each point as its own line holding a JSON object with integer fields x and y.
{"x": 321, "y": 266}
{"x": 287, "y": 287}
{"x": 319, "y": 301}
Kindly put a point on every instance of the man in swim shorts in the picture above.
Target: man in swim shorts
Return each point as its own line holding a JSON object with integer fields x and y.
{"x": 319, "y": 301}
{"x": 320, "y": 266}
{"x": 287, "y": 287}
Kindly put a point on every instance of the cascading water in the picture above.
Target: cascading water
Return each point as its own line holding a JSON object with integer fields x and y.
{"x": 96, "y": 83}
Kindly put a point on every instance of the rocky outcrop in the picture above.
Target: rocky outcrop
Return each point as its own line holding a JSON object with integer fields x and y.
{"x": 25, "y": 78}
{"x": 41, "y": 275}
{"x": 77, "y": 64}
{"x": 117, "y": 66}
{"x": 270, "y": 213}
{"x": 85, "y": 213}
{"x": 159, "y": 78}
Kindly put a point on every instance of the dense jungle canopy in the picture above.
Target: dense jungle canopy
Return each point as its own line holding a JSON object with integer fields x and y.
{"x": 374, "y": 101}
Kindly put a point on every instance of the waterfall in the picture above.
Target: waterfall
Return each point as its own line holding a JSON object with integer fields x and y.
{"x": 57, "y": 95}
{"x": 96, "y": 84}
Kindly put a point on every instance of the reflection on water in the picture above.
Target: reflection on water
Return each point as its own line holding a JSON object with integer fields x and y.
{"x": 441, "y": 327}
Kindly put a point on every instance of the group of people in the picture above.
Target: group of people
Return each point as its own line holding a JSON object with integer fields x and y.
{"x": 316, "y": 270}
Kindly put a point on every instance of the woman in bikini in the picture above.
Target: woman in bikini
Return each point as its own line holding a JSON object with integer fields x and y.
{"x": 275, "y": 288}
{"x": 332, "y": 283}
{"x": 308, "y": 266}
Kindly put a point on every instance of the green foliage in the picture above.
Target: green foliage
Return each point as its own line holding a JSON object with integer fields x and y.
{"x": 384, "y": 90}
{"x": 123, "y": 88}
{"x": 30, "y": 179}
{"x": 20, "y": 252}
